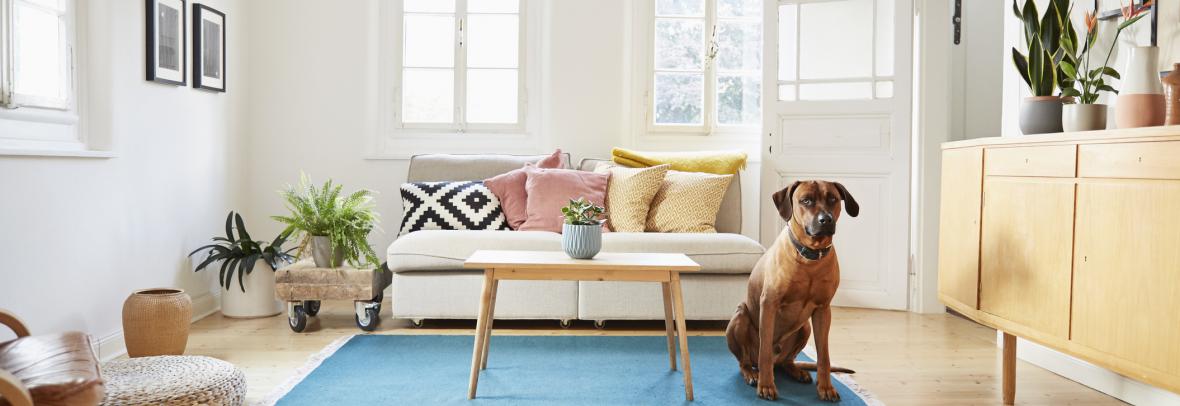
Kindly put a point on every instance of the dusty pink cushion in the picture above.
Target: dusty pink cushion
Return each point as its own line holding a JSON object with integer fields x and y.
{"x": 509, "y": 188}
{"x": 551, "y": 189}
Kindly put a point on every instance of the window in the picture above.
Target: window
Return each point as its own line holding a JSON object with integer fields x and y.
{"x": 36, "y": 54}
{"x": 808, "y": 32}
{"x": 706, "y": 66}
{"x": 462, "y": 65}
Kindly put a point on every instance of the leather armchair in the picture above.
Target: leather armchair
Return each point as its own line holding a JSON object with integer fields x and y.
{"x": 51, "y": 369}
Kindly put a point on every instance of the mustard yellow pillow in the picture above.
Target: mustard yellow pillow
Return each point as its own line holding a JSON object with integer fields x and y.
{"x": 629, "y": 194}
{"x": 687, "y": 202}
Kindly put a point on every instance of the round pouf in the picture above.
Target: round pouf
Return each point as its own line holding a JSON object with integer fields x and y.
{"x": 173, "y": 380}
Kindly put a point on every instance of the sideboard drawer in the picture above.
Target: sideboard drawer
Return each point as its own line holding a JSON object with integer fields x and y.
{"x": 1135, "y": 160}
{"x": 1051, "y": 161}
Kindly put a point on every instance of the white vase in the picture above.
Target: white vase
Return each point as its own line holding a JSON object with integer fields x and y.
{"x": 1140, "y": 102}
{"x": 259, "y": 298}
{"x": 1083, "y": 117}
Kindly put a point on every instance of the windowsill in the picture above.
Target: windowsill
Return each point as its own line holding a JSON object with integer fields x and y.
{"x": 56, "y": 153}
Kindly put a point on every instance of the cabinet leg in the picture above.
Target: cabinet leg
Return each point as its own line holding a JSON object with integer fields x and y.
{"x": 1009, "y": 369}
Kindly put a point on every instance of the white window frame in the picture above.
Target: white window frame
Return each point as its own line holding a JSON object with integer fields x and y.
{"x": 873, "y": 79}
{"x": 643, "y": 98}
{"x": 399, "y": 140}
{"x": 31, "y": 125}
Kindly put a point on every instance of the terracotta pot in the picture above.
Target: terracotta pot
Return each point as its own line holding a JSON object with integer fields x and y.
{"x": 156, "y": 322}
{"x": 1083, "y": 117}
{"x": 1172, "y": 96}
{"x": 1141, "y": 101}
{"x": 1040, "y": 115}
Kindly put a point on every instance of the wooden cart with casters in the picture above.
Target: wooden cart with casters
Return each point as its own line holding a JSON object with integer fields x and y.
{"x": 302, "y": 285}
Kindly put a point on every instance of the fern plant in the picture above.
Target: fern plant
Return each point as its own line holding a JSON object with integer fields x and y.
{"x": 324, "y": 211}
{"x": 238, "y": 252}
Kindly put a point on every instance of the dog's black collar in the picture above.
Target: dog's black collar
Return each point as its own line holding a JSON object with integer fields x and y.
{"x": 805, "y": 251}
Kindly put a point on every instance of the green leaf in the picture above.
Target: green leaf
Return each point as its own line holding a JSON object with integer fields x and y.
{"x": 1068, "y": 68}
{"x": 1109, "y": 71}
{"x": 221, "y": 275}
{"x": 1021, "y": 63}
{"x": 245, "y": 236}
{"x": 1032, "y": 29}
{"x": 1069, "y": 91}
{"x": 1107, "y": 88}
{"x": 1036, "y": 68}
{"x": 1128, "y": 23}
{"x": 229, "y": 229}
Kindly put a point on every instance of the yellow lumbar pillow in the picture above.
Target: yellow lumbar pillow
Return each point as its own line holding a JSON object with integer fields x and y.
{"x": 717, "y": 162}
{"x": 687, "y": 202}
{"x": 629, "y": 194}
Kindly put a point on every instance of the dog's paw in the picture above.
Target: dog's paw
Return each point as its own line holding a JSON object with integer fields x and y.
{"x": 827, "y": 392}
{"x": 767, "y": 390}
{"x": 749, "y": 376}
{"x": 799, "y": 375}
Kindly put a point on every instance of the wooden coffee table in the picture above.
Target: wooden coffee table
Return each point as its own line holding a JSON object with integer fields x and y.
{"x": 555, "y": 265}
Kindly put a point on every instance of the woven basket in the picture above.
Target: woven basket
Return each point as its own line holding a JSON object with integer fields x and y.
{"x": 156, "y": 322}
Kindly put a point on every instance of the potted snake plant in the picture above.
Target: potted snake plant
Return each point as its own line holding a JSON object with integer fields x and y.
{"x": 252, "y": 262}
{"x": 581, "y": 233}
{"x": 334, "y": 226}
{"x": 1041, "y": 68}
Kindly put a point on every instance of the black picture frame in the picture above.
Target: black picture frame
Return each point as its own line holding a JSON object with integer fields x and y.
{"x": 199, "y": 57}
{"x": 152, "y": 41}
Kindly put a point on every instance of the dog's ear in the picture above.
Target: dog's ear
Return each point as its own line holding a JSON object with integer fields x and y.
{"x": 850, "y": 204}
{"x": 782, "y": 200}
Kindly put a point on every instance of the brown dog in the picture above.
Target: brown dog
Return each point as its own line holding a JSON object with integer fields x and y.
{"x": 793, "y": 282}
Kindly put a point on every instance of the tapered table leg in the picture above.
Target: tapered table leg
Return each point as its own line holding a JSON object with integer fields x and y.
{"x": 681, "y": 329}
{"x": 491, "y": 321}
{"x": 480, "y": 326}
{"x": 1009, "y": 369}
{"x": 668, "y": 325}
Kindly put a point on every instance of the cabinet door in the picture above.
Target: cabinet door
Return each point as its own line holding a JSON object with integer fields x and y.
{"x": 1127, "y": 271}
{"x": 958, "y": 233}
{"x": 1026, "y": 251}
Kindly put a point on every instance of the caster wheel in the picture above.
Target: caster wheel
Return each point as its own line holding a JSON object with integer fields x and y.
{"x": 417, "y": 323}
{"x": 600, "y": 324}
{"x": 297, "y": 319}
{"x": 565, "y": 323}
{"x": 311, "y": 307}
{"x": 370, "y": 319}
{"x": 379, "y": 299}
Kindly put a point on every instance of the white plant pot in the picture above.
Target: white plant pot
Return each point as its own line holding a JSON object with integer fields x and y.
{"x": 1083, "y": 117}
{"x": 259, "y": 298}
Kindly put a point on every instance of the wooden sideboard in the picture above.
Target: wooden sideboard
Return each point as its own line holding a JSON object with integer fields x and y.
{"x": 1071, "y": 241}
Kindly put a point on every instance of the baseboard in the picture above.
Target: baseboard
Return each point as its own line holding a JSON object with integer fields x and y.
{"x": 112, "y": 346}
{"x": 1093, "y": 376}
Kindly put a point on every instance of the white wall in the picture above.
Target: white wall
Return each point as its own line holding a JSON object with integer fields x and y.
{"x": 313, "y": 98}
{"x": 78, "y": 235}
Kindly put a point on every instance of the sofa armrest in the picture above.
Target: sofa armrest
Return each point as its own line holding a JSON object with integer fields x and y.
{"x": 14, "y": 323}
{"x": 13, "y": 390}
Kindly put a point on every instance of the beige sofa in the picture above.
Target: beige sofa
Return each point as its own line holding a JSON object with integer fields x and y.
{"x": 429, "y": 282}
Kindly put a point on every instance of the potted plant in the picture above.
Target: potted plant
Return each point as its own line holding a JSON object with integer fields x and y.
{"x": 1041, "y": 112}
{"x": 240, "y": 255}
{"x": 336, "y": 226}
{"x": 1086, "y": 114}
{"x": 581, "y": 234}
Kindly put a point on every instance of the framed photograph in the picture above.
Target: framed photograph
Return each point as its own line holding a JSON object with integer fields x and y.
{"x": 208, "y": 48}
{"x": 165, "y": 41}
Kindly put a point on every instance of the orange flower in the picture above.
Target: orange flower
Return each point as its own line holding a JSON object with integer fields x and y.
{"x": 1132, "y": 11}
{"x": 1091, "y": 22}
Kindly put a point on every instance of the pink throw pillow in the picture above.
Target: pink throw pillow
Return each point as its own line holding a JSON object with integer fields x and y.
{"x": 509, "y": 188}
{"x": 551, "y": 189}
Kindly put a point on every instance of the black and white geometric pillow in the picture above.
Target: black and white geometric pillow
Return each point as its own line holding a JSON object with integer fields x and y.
{"x": 450, "y": 206}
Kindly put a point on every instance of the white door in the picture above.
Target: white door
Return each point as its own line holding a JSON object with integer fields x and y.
{"x": 837, "y": 106}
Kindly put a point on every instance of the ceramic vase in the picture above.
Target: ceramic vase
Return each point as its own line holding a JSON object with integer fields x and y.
{"x": 581, "y": 241}
{"x": 156, "y": 322}
{"x": 1140, "y": 102}
{"x": 1040, "y": 115}
{"x": 1172, "y": 96}
{"x": 1083, "y": 117}
{"x": 254, "y": 297}
{"x": 323, "y": 254}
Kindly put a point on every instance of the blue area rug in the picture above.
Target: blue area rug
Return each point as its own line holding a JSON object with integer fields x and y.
{"x": 540, "y": 370}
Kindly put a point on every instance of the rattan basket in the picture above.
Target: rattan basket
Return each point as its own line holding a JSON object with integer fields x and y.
{"x": 156, "y": 322}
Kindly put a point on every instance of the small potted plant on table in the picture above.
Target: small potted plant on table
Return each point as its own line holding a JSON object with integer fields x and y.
{"x": 240, "y": 255}
{"x": 336, "y": 226}
{"x": 581, "y": 234}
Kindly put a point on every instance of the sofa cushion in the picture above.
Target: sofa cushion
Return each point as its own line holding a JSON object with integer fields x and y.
{"x": 58, "y": 369}
{"x": 459, "y": 205}
{"x": 718, "y": 253}
{"x": 687, "y": 202}
{"x": 629, "y": 194}
{"x": 551, "y": 189}
{"x": 509, "y": 188}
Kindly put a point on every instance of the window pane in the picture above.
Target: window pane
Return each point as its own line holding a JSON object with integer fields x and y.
{"x": 679, "y": 44}
{"x": 493, "y": 6}
{"x": 692, "y": 8}
{"x": 739, "y": 100}
{"x": 787, "y": 41}
{"x": 885, "y": 89}
{"x": 428, "y": 95}
{"x": 885, "y": 11}
{"x": 739, "y": 8}
{"x": 40, "y": 68}
{"x": 430, "y": 6}
{"x": 491, "y": 95}
{"x": 836, "y": 39}
{"x": 492, "y": 41}
{"x": 679, "y": 98}
{"x": 835, "y": 91}
{"x": 739, "y": 46}
{"x": 786, "y": 92}
{"x": 429, "y": 41}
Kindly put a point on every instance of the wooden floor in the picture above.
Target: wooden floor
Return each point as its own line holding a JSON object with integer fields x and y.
{"x": 903, "y": 358}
